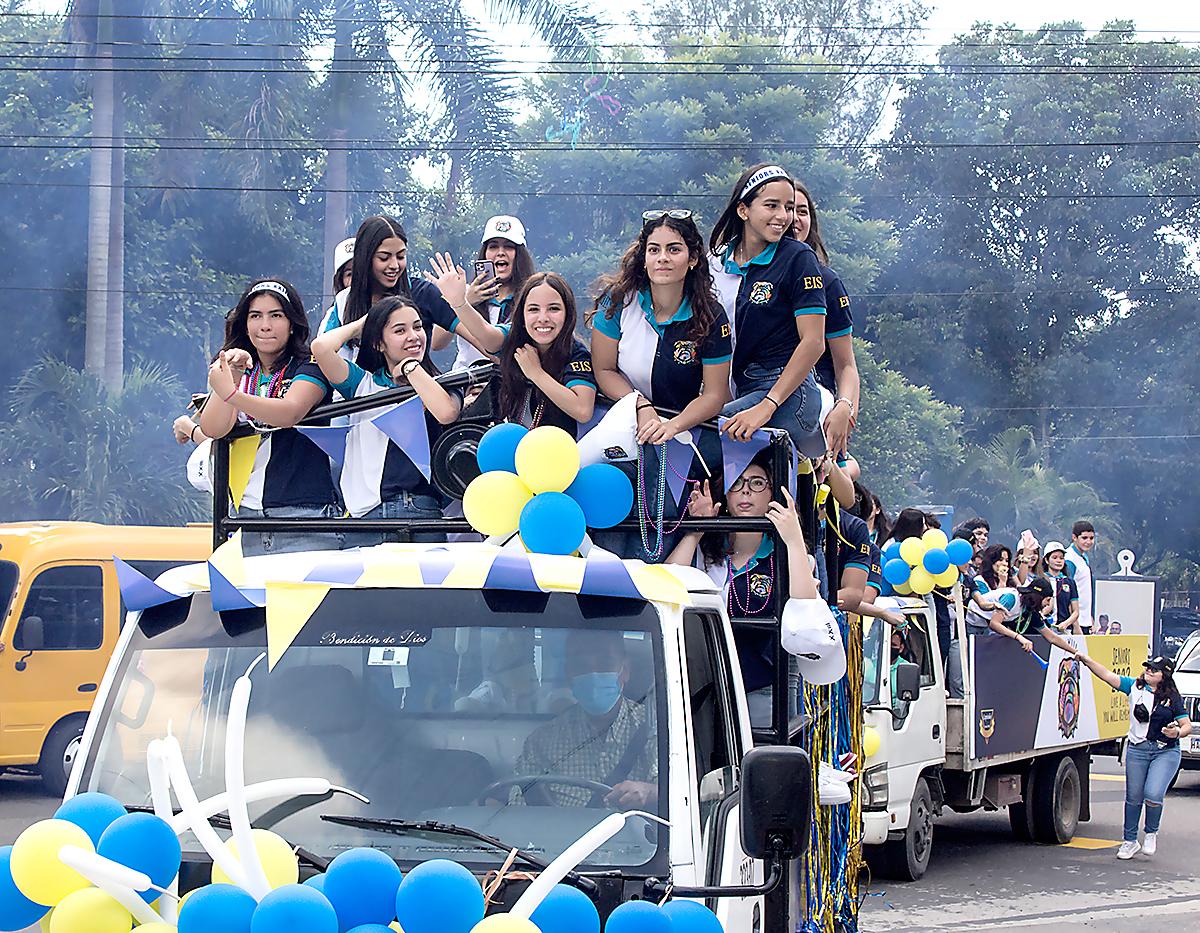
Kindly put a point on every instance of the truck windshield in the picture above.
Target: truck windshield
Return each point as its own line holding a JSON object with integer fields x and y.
{"x": 874, "y": 634}
{"x": 1189, "y": 662}
{"x": 9, "y": 574}
{"x": 513, "y": 714}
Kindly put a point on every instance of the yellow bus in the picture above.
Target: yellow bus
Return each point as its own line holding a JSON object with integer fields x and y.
{"x": 62, "y": 613}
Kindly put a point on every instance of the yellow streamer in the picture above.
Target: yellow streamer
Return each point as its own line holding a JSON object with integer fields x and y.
{"x": 241, "y": 464}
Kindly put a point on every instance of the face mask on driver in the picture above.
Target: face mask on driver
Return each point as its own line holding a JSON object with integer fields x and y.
{"x": 597, "y": 693}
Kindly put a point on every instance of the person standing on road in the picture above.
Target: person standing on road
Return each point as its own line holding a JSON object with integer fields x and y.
{"x": 1157, "y": 721}
{"x": 1079, "y": 567}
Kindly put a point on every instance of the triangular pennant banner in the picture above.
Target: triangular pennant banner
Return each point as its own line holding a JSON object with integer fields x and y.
{"x": 511, "y": 571}
{"x": 679, "y": 466}
{"x": 738, "y": 454}
{"x": 225, "y": 596}
{"x": 470, "y": 571}
{"x": 436, "y": 566}
{"x": 607, "y": 576}
{"x": 558, "y": 573}
{"x": 331, "y": 440}
{"x": 393, "y": 569}
{"x": 345, "y": 570}
{"x": 658, "y": 583}
{"x": 405, "y": 426}
{"x": 241, "y": 464}
{"x": 229, "y": 560}
{"x": 289, "y": 607}
{"x": 138, "y": 591}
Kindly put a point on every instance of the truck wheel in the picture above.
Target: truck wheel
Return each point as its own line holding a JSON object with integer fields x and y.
{"x": 1057, "y": 796}
{"x": 908, "y": 858}
{"x": 58, "y": 754}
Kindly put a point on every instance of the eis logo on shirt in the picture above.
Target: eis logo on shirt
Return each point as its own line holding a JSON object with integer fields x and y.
{"x": 760, "y": 292}
{"x": 685, "y": 352}
{"x": 760, "y": 585}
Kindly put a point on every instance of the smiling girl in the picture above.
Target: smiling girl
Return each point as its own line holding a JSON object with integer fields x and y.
{"x": 545, "y": 372}
{"x": 379, "y": 478}
{"x": 264, "y": 374}
{"x": 773, "y": 293}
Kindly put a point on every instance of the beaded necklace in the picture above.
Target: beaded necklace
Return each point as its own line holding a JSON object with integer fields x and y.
{"x": 535, "y": 413}
{"x": 252, "y": 379}
{"x": 644, "y": 519}
{"x": 736, "y": 600}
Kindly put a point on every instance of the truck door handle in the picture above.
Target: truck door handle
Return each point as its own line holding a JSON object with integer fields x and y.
{"x": 87, "y": 688}
{"x": 937, "y": 730}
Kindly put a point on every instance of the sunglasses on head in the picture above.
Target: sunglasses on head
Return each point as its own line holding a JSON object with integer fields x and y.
{"x": 678, "y": 213}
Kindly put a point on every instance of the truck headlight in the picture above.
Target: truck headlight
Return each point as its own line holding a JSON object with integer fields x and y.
{"x": 875, "y": 780}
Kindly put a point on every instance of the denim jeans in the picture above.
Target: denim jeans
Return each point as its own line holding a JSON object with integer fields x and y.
{"x": 404, "y": 506}
{"x": 1149, "y": 771}
{"x": 799, "y": 414}
{"x": 273, "y": 542}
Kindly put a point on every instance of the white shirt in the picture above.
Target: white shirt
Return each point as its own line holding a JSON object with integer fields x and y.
{"x": 1083, "y": 581}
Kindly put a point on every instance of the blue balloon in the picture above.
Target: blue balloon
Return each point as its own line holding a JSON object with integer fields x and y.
{"x": 221, "y": 907}
{"x": 936, "y": 561}
{"x": 146, "y": 843}
{"x": 690, "y": 917}
{"x": 896, "y": 571}
{"x": 439, "y": 896}
{"x": 16, "y": 910}
{"x": 604, "y": 493}
{"x": 892, "y": 551}
{"x": 316, "y": 882}
{"x": 361, "y": 885}
{"x": 566, "y": 910}
{"x": 960, "y": 552}
{"x": 638, "y": 917}
{"x": 294, "y": 908}
{"x": 91, "y": 812}
{"x": 551, "y": 523}
{"x": 372, "y": 928}
{"x": 498, "y": 448}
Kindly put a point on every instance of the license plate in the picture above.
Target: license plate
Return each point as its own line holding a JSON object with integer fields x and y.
{"x": 1194, "y": 744}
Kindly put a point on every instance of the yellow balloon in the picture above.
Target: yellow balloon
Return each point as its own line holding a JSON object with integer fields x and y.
{"x": 547, "y": 459}
{"x": 36, "y": 870}
{"x": 912, "y": 550}
{"x": 505, "y": 923}
{"x": 934, "y": 538}
{"x": 947, "y": 577}
{"x": 493, "y": 502}
{"x": 921, "y": 581}
{"x": 871, "y": 741}
{"x": 90, "y": 911}
{"x": 278, "y": 860}
{"x": 903, "y": 589}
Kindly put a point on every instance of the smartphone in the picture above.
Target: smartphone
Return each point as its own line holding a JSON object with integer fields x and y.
{"x": 486, "y": 268}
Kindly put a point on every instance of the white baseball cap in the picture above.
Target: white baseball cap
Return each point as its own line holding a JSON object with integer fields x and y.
{"x": 810, "y": 634}
{"x": 504, "y": 227}
{"x": 1052, "y": 546}
{"x": 342, "y": 254}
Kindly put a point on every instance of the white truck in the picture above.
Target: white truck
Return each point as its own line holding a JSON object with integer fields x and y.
{"x": 1022, "y": 737}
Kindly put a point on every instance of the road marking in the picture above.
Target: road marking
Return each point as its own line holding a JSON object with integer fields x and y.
{"x": 1083, "y": 842}
{"x": 1109, "y": 777}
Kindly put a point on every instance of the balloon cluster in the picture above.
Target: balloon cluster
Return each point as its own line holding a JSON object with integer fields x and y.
{"x": 532, "y": 482}
{"x": 917, "y": 565}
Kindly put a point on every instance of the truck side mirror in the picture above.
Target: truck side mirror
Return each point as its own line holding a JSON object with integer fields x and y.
{"x": 31, "y": 636}
{"x": 777, "y": 802}
{"x": 908, "y": 681}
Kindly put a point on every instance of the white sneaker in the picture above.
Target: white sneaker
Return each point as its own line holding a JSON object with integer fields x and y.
{"x": 1128, "y": 850}
{"x": 1150, "y": 844}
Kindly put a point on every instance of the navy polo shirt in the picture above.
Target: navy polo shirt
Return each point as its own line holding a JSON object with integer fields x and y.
{"x": 576, "y": 372}
{"x": 662, "y": 361}
{"x": 424, "y": 296}
{"x": 875, "y": 571}
{"x": 1065, "y": 592}
{"x": 763, "y": 299}
{"x": 854, "y": 546}
{"x": 839, "y": 322}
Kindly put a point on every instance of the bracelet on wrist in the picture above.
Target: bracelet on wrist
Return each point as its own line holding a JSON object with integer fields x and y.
{"x": 192, "y": 433}
{"x": 767, "y": 398}
{"x": 230, "y": 395}
{"x": 644, "y": 405}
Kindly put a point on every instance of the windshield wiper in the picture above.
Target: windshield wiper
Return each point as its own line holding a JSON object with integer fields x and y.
{"x": 401, "y": 827}
{"x": 222, "y": 822}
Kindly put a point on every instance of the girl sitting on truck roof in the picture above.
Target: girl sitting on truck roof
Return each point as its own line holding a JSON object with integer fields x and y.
{"x": 264, "y": 373}
{"x": 379, "y": 479}
{"x": 545, "y": 372}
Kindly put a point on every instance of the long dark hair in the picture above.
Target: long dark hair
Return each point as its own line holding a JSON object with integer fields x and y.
{"x": 987, "y": 564}
{"x": 370, "y": 356}
{"x": 513, "y": 384}
{"x": 371, "y": 232}
{"x": 1166, "y": 691}
{"x": 523, "y": 264}
{"x": 910, "y": 523}
{"x": 729, "y": 225}
{"x": 814, "y": 229}
{"x": 237, "y": 337}
{"x": 631, "y": 277}
{"x": 1031, "y": 609}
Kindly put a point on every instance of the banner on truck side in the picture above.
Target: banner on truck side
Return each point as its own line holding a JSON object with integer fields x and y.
{"x": 1022, "y": 703}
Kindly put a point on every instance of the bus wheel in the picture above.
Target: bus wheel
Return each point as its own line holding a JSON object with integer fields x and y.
{"x": 1057, "y": 796}
{"x": 59, "y": 753}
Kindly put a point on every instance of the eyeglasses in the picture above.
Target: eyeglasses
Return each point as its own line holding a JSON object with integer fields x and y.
{"x": 678, "y": 213}
{"x": 755, "y": 484}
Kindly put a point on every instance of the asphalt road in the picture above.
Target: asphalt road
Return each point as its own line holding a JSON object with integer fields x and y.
{"x": 980, "y": 878}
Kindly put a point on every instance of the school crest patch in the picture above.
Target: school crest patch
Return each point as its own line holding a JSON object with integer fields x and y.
{"x": 503, "y": 226}
{"x": 685, "y": 352}
{"x": 760, "y": 292}
{"x": 760, "y": 585}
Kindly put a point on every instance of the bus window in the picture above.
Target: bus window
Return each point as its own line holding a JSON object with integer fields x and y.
{"x": 69, "y": 601}
{"x": 8, "y": 585}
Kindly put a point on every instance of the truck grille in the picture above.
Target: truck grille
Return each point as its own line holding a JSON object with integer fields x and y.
{"x": 1192, "y": 705}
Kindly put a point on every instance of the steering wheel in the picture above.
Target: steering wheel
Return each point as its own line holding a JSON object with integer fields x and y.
{"x": 596, "y": 787}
